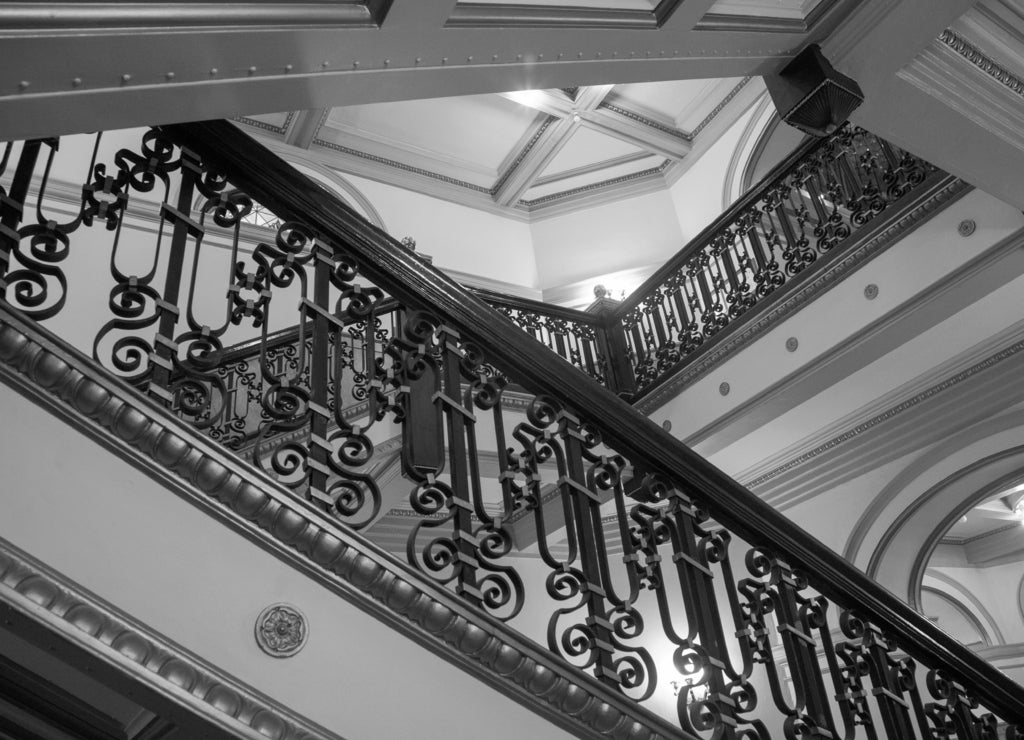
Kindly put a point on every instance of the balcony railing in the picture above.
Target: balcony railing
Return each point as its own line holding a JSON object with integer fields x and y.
{"x": 557, "y": 508}
{"x": 806, "y": 214}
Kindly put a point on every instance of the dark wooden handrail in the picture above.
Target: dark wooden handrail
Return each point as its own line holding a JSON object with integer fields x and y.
{"x": 291, "y": 194}
{"x": 494, "y": 298}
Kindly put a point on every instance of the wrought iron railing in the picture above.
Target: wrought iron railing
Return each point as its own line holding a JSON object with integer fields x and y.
{"x": 557, "y": 509}
{"x": 807, "y": 211}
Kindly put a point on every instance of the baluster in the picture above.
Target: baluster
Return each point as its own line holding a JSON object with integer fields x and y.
{"x": 694, "y": 549}
{"x": 183, "y": 226}
{"x": 12, "y": 204}
{"x": 586, "y": 523}
{"x": 319, "y": 362}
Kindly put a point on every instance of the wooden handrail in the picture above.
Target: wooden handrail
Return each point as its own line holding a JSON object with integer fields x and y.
{"x": 273, "y": 182}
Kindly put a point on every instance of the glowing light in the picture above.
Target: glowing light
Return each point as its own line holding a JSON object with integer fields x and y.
{"x": 529, "y": 98}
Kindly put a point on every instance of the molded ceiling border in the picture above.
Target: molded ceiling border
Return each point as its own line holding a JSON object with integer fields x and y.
{"x": 144, "y": 434}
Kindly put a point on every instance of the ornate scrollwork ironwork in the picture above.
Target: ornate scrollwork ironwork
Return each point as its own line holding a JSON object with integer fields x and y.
{"x": 518, "y": 503}
{"x": 807, "y": 212}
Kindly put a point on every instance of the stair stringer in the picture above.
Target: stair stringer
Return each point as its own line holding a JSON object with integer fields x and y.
{"x": 193, "y": 467}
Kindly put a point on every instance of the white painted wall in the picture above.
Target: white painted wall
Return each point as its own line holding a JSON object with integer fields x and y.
{"x": 697, "y": 196}
{"x": 457, "y": 237}
{"x": 929, "y": 254}
{"x": 591, "y": 243}
{"x": 113, "y": 530}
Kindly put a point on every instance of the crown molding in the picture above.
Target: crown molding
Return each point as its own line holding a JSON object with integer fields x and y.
{"x": 979, "y": 59}
{"x": 76, "y": 390}
{"x": 961, "y": 77}
{"x": 34, "y": 596}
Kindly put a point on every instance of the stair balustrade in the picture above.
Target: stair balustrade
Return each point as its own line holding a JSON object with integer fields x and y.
{"x": 536, "y": 494}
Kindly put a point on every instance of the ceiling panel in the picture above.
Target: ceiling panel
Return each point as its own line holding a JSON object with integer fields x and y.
{"x": 680, "y": 103}
{"x": 590, "y": 178}
{"x": 614, "y": 4}
{"x": 586, "y": 148}
{"x": 475, "y": 131}
{"x": 794, "y": 9}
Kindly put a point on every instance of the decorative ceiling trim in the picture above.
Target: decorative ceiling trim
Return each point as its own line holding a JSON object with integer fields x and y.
{"x": 645, "y": 121}
{"x": 348, "y": 151}
{"x": 977, "y": 57}
{"x": 523, "y": 152}
{"x": 604, "y": 184}
{"x": 719, "y": 108}
{"x": 282, "y": 129}
{"x": 978, "y": 89}
{"x": 609, "y": 118}
{"x": 75, "y": 389}
{"x": 946, "y": 193}
{"x": 590, "y": 168}
{"x": 34, "y": 594}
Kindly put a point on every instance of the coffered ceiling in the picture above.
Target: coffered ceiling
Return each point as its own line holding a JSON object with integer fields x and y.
{"x": 525, "y": 152}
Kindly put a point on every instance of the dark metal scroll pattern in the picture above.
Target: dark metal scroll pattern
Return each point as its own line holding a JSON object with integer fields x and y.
{"x": 628, "y": 561}
{"x": 811, "y": 210}
{"x": 577, "y": 342}
{"x": 596, "y": 625}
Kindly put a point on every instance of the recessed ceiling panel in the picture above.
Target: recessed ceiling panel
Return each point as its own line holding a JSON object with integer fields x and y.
{"x": 793, "y": 9}
{"x": 474, "y": 133}
{"x": 585, "y": 149}
{"x": 275, "y": 122}
{"x": 610, "y": 174}
{"x": 606, "y": 4}
{"x": 666, "y": 102}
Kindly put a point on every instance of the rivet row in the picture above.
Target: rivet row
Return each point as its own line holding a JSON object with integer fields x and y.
{"x": 521, "y": 57}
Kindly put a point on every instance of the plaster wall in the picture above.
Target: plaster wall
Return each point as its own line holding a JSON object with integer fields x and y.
{"x": 457, "y": 237}
{"x": 607, "y": 238}
{"x": 106, "y": 525}
{"x": 998, "y": 588}
{"x": 697, "y": 196}
{"x": 931, "y": 254}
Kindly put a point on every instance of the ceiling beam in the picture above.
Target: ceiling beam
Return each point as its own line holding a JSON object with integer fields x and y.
{"x": 528, "y": 168}
{"x": 631, "y": 128}
{"x": 304, "y": 127}
{"x": 642, "y": 133}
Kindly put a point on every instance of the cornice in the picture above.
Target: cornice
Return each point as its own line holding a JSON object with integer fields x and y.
{"x": 41, "y": 595}
{"x": 948, "y": 191}
{"x": 979, "y": 59}
{"x": 890, "y": 413}
{"x": 243, "y": 498}
{"x": 978, "y": 537}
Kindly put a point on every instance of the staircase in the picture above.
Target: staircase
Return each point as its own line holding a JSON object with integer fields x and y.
{"x": 388, "y": 433}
